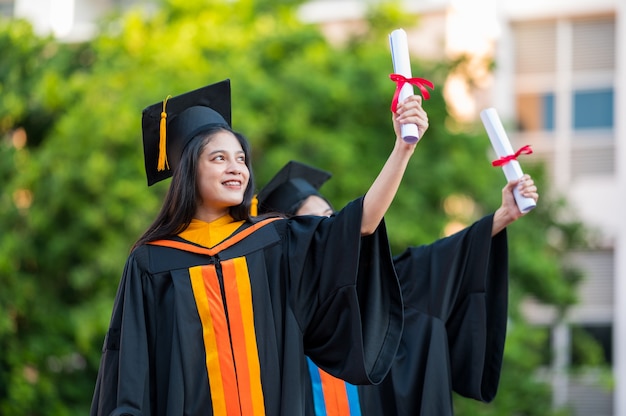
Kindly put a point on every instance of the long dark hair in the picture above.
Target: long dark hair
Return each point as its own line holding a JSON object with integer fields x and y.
{"x": 182, "y": 196}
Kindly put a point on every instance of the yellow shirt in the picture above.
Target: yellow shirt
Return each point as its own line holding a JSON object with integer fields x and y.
{"x": 209, "y": 234}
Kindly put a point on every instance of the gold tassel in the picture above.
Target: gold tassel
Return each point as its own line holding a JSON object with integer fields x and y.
{"x": 162, "y": 163}
{"x": 254, "y": 210}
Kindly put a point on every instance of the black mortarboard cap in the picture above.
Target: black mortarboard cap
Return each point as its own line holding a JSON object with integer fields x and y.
{"x": 286, "y": 191}
{"x": 169, "y": 125}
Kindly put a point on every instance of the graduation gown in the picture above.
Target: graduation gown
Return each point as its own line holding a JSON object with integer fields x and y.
{"x": 455, "y": 294}
{"x": 223, "y": 330}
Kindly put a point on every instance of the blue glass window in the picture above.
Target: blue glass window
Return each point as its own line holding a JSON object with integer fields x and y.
{"x": 547, "y": 111}
{"x": 593, "y": 109}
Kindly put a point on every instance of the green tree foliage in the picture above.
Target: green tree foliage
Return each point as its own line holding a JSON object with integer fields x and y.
{"x": 74, "y": 195}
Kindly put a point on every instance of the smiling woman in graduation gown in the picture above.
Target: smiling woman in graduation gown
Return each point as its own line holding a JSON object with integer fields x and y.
{"x": 215, "y": 318}
{"x": 219, "y": 327}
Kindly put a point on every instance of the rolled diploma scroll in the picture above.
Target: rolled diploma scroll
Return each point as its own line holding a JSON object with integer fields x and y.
{"x": 502, "y": 147}
{"x": 402, "y": 65}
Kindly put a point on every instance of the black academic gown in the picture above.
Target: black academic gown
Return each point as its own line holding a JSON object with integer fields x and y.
{"x": 223, "y": 331}
{"x": 455, "y": 294}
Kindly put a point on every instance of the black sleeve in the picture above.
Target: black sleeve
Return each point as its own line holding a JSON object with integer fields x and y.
{"x": 348, "y": 297}
{"x": 123, "y": 382}
{"x": 455, "y": 293}
{"x": 462, "y": 280}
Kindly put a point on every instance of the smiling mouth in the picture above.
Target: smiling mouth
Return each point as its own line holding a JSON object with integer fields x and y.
{"x": 232, "y": 183}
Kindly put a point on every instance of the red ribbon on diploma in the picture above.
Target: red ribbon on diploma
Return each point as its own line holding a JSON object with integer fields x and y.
{"x": 525, "y": 150}
{"x": 400, "y": 80}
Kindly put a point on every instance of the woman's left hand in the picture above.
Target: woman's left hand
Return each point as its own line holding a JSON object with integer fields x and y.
{"x": 509, "y": 211}
{"x": 410, "y": 111}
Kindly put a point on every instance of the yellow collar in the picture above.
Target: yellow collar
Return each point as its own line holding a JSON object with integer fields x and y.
{"x": 209, "y": 234}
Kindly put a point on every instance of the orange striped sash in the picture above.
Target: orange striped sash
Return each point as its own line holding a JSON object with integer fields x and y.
{"x": 232, "y": 358}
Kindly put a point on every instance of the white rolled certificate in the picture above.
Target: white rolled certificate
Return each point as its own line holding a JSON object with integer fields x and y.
{"x": 402, "y": 65}
{"x": 502, "y": 146}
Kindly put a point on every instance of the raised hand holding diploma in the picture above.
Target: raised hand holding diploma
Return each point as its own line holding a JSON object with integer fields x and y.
{"x": 507, "y": 158}
{"x": 404, "y": 81}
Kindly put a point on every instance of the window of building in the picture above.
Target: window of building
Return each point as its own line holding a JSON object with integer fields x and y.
{"x": 535, "y": 47}
{"x": 564, "y": 81}
{"x": 593, "y": 109}
{"x": 593, "y": 44}
{"x": 592, "y": 345}
{"x": 575, "y": 55}
{"x": 535, "y": 112}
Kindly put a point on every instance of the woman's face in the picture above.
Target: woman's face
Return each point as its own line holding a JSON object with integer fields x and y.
{"x": 222, "y": 176}
{"x": 314, "y": 205}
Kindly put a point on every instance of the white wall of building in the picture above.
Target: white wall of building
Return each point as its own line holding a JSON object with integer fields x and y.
{"x": 619, "y": 334}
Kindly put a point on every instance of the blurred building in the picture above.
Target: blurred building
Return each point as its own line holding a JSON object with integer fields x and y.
{"x": 559, "y": 85}
{"x": 68, "y": 20}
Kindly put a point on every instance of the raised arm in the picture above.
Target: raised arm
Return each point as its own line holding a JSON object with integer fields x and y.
{"x": 378, "y": 198}
{"x": 508, "y": 211}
